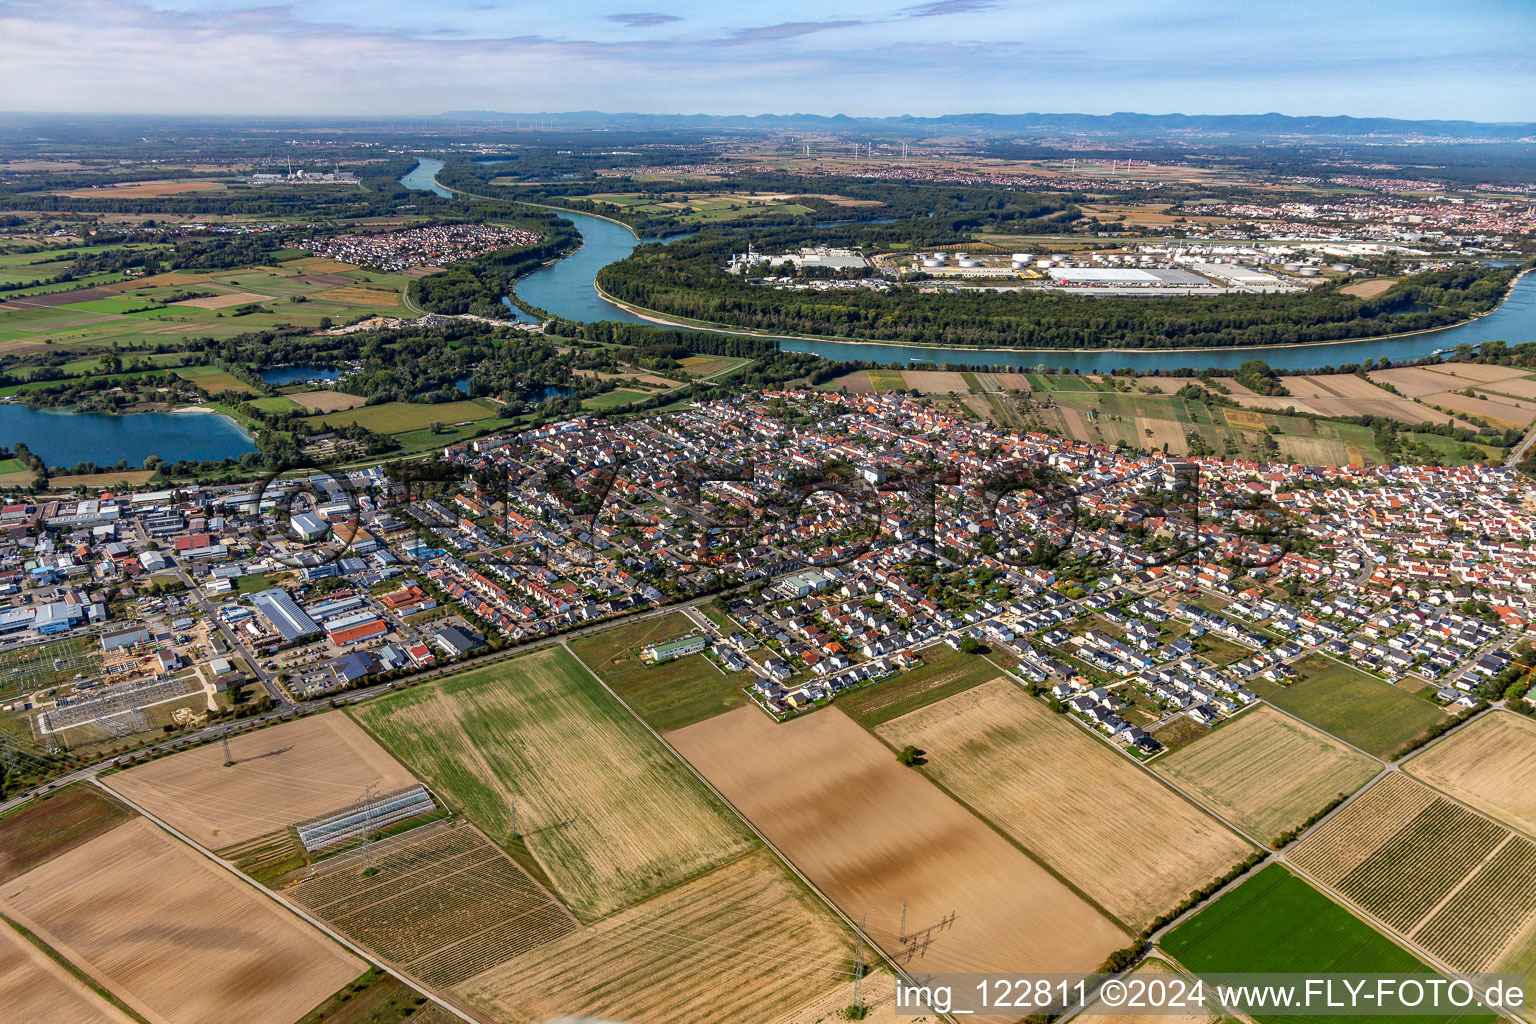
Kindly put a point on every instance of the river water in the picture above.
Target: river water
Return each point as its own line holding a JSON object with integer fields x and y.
{"x": 567, "y": 289}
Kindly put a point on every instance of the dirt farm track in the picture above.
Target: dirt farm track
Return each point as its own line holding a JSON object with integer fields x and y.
{"x": 175, "y": 937}
{"x": 872, "y": 834}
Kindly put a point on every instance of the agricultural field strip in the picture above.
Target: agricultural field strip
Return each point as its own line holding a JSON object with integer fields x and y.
{"x": 1364, "y": 869}
{"x": 288, "y": 905}
{"x": 458, "y": 907}
{"x": 1463, "y": 932}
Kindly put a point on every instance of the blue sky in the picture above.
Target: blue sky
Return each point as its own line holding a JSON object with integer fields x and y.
{"x": 1473, "y": 59}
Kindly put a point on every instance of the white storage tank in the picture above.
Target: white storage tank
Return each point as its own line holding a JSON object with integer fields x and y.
{"x": 970, "y": 263}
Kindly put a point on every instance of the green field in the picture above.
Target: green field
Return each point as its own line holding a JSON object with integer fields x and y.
{"x": 1276, "y": 923}
{"x": 608, "y": 813}
{"x": 944, "y": 673}
{"x": 668, "y": 696}
{"x": 611, "y": 399}
{"x": 214, "y": 380}
{"x": 1367, "y": 712}
{"x": 400, "y": 417}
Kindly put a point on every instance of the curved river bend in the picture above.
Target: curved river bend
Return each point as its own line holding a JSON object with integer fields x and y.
{"x": 568, "y": 289}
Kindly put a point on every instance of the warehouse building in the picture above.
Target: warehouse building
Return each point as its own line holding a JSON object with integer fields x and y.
{"x": 291, "y": 622}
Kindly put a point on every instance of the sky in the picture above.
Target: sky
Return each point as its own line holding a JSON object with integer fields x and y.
{"x": 1471, "y": 59}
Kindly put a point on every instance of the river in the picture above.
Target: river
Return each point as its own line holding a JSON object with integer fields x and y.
{"x": 568, "y": 290}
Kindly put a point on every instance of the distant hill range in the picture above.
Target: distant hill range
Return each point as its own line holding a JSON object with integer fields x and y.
{"x": 1234, "y": 127}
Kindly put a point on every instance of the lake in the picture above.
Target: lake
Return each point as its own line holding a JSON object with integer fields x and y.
{"x": 62, "y": 438}
{"x": 280, "y": 375}
{"x": 568, "y": 290}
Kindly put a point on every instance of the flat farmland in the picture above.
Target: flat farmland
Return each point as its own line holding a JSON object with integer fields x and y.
{"x": 1461, "y": 885}
{"x": 742, "y": 942}
{"x": 176, "y": 937}
{"x": 1490, "y": 764}
{"x": 43, "y": 829}
{"x": 328, "y": 401}
{"x": 933, "y": 382}
{"x": 358, "y": 296}
{"x": 1359, "y": 709}
{"x": 606, "y": 811}
{"x": 40, "y": 991}
{"x": 1503, "y": 412}
{"x": 1048, "y": 785}
{"x": 944, "y": 672}
{"x": 213, "y": 380}
{"x": 1149, "y": 969}
{"x": 399, "y": 417}
{"x": 1276, "y": 922}
{"x": 667, "y": 696}
{"x": 444, "y": 904}
{"x": 1267, "y": 772}
{"x": 281, "y": 775}
{"x": 872, "y": 834}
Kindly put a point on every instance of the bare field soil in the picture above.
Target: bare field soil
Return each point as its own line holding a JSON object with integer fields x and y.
{"x": 1101, "y": 1014}
{"x": 444, "y": 906}
{"x": 43, "y": 829}
{"x": 1367, "y": 289}
{"x": 328, "y": 401}
{"x": 742, "y": 942}
{"x": 1343, "y": 385}
{"x": 935, "y": 382}
{"x": 223, "y": 301}
{"x": 1267, "y": 772}
{"x": 1040, "y": 779}
{"x": 281, "y": 775}
{"x": 1460, "y": 885}
{"x": 176, "y": 937}
{"x": 143, "y": 189}
{"x": 872, "y": 834}
{"x": 607, "y": 811}
{"x": 1013, "y": 381}
{"x": 1501, "y": 413}
{"x": 40, "y": 991}
{"x": 175, "y": 277}
{"x": 1412, "y": 381}
{"x": 1163, "y": 432}
{"x": 357, "y": 296}
{"x": 1515, "y": 388}
{"x": 1485, "y": 372}
{"x": 1491, "y": 764}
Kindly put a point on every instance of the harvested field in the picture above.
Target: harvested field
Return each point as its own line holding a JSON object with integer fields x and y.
{"x": 872, "y": 834}
{"x": 856, "y": 383}
{"x": 143, "y": 189}
{"x": 1163, "y": 432}
{"x": 1485, "y": 372}
{"x": 1412, "y": 381}
{"x": 355, "y": 296}
{"x": 606, "y": 811}
{"x": 175, "y": 277}
{"x": 281, "y": 775}
{"x": 327, "y": 401}
{"x": 935, "y": 382}
{"x": 223, "y": 301}
{"x": 56, "y": 824}
{"x": 444, "y": 905}
{"x": 1489, "y": 764}
{"x": 1503, "y": 413}
{"x": 1515, "y": 388}
{"x": 38, "y": 990}
{"x": 746, "y": 924}
{"x": 1367, "y": 289}
{"x": 316, "y": 265}
{"x": 1313, "y": 451}
{"x": 1002, "y": 753}
{"x": 1344, "y": 385}
{"x": 1013, "y": 381}
{"x": 176, "y": 937}
{"x": 1267, "y": 772}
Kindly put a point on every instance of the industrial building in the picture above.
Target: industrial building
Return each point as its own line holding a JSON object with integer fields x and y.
{"x": 290, "y": 621}
{"x": 670, "y": 649}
